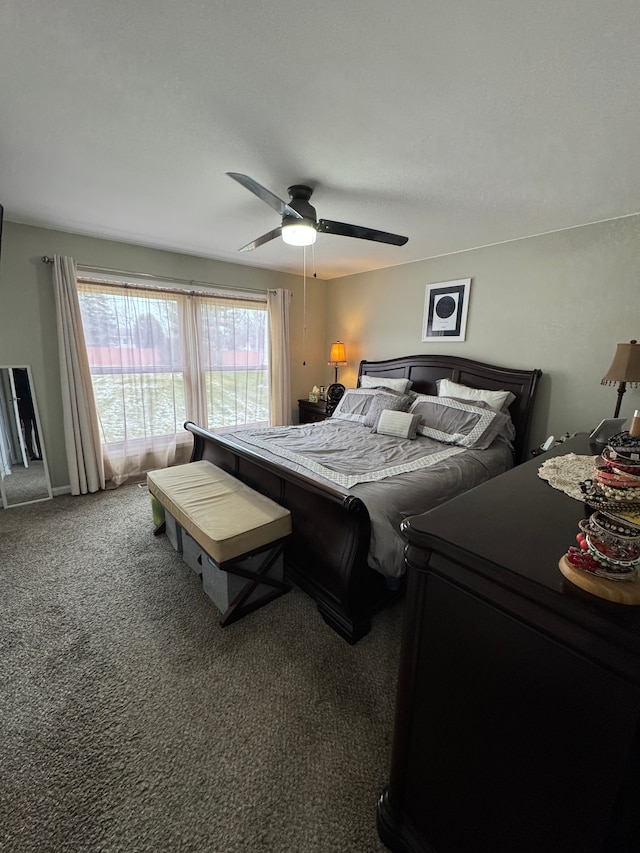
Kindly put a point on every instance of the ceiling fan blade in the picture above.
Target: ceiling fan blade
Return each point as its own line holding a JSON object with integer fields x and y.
{"x": 266, "y": 195}
{"x": 262, "y": 240}
{"x": 327, "y": 226}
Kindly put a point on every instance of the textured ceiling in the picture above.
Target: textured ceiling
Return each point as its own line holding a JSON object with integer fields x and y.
{"x": 458, "y": 124}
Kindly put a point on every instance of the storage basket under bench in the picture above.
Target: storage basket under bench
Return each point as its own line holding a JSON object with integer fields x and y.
{"x": 228, "y": 533}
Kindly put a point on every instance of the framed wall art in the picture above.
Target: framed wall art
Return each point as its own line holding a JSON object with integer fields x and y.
{"x": 445, "y": 310}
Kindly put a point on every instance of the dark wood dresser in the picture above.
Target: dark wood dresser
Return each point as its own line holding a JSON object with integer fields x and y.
{"x": 518, "y": 707}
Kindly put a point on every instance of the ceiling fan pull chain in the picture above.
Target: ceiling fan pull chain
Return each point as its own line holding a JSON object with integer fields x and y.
{"x": 304, "y": 306}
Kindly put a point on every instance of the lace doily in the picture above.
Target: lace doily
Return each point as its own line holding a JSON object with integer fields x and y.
{"x": 567, "y": 472}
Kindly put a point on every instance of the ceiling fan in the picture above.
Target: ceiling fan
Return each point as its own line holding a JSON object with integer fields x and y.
{"x": 299, "y": 222}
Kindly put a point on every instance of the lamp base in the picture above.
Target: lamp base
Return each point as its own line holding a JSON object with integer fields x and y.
{"x": 621, "y": 389}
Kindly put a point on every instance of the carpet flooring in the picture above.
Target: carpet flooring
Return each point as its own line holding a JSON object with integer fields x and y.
{"x": 132, "y": 722}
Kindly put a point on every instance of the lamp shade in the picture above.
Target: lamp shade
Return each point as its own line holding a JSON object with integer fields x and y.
{"x": 625, "y": 366}
{"x": 337, "y": 357}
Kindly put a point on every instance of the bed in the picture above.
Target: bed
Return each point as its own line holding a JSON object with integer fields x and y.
{"x": 346, "y": 547}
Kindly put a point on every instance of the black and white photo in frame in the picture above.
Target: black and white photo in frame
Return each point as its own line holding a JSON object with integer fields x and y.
{"x": 445, "y": 310}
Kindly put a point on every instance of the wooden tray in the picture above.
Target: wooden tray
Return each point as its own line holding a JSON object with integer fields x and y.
{"x": 622, "y": 592}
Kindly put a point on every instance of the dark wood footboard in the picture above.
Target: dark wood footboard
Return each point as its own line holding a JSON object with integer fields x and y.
{"x": 327, "y": 553}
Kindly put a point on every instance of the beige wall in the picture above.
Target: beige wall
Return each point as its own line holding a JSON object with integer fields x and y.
{"x": 559, "y": 302}
{"x": 28, "y": 324}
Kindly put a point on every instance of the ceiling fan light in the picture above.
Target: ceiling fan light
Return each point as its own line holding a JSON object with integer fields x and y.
{"x": 299, "y": 234}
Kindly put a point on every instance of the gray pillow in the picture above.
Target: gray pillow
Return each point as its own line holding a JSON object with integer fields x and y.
{"x": 391, "y": 402}
{"x": 354, "y": 404}
{"x": 458, "y": 422}
{"x": 508, "y": 431}
{"x": 363, "y": 405}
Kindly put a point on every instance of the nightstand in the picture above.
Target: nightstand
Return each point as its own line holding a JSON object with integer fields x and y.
{"x": 311, "y": 413}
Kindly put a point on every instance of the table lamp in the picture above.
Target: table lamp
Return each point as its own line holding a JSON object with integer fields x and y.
{"x": 625, "y": 369}
{"x": 337, "y": 357}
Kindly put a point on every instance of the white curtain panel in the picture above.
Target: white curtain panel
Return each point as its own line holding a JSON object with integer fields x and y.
{"x": 195, "y": 379}
{"x": 9, "y": 440}
{"x": 5, "y": 443}
{"x": 278, "y": 303}
{"x": 82, "y": 433}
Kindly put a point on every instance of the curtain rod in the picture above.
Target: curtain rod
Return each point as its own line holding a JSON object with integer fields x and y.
{"x": 46, "y": 259}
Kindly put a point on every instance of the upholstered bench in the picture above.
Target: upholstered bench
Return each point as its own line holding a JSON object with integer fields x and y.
{"x": 239, "y": 534}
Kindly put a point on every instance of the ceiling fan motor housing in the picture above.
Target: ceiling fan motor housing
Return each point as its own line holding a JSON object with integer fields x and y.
{"x": 299, "y": 196}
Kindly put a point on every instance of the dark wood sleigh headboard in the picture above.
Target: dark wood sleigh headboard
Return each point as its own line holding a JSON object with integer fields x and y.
{"x": 425, "y": 370}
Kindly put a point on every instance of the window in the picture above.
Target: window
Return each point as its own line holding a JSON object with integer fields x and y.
{"x": 236, "y": 372}
{"x": 159, "y": 357}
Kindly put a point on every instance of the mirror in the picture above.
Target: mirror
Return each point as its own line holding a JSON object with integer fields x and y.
{"x": 24, "y": 475}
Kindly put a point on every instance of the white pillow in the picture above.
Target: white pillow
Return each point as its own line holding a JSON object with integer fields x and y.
{"x": 397, "y": 424}
{"x": 500, "y": 400}
{"x": 401, "y": 385}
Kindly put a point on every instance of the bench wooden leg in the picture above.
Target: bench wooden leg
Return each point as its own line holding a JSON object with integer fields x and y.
{"x": 238, "y": 608}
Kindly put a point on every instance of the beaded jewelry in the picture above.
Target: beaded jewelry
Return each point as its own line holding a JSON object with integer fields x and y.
{"x": 624, "y": 447}
{"x": 599, "y": 497}
{"x": 600, "y": 521}
{"x": 617, "y": 566}
{"x": 618, "y": 463}
{"x": 611, "y": 542}
{"x": 609, "y": 545}
{"x": 615, "y": 477}
{"x": 622, "y": 495}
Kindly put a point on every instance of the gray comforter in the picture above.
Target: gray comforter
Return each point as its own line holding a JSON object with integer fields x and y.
{"x": 394, "y": 477}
